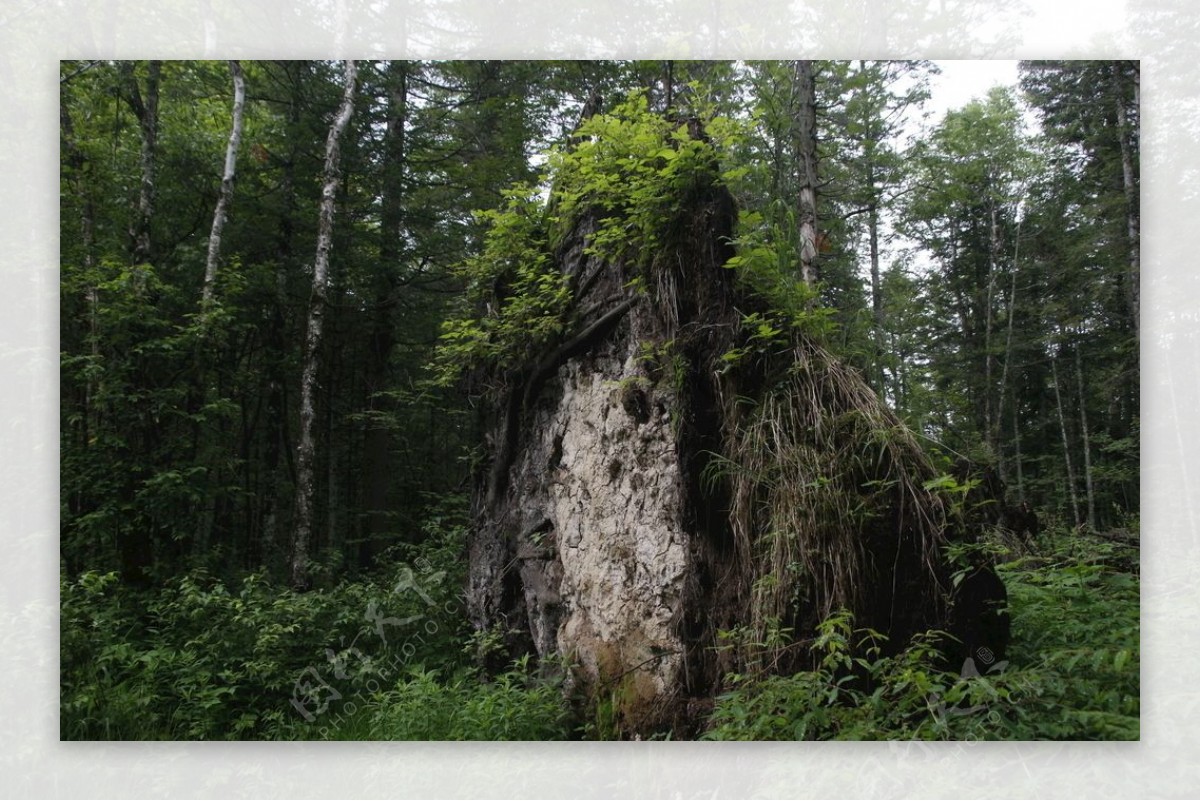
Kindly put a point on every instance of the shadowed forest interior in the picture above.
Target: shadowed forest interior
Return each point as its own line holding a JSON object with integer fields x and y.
{"x": 598, "y": 400}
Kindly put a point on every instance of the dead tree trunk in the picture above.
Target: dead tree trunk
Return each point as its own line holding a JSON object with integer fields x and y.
{"x": 647, "y": 492}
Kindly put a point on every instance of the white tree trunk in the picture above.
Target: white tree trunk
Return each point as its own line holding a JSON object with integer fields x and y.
{"x": 305, "y": 449}
{"x": 221, "y": 214}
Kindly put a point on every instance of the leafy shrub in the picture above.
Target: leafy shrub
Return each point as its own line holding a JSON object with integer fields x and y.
{"x": 202, "y": 660}
{"x": 516, "y": 705}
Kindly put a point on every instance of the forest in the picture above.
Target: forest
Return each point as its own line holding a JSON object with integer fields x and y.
{"x": 579, "y": 400}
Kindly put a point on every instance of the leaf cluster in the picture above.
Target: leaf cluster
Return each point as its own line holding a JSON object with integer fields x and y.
{"x": 629, "y": 172}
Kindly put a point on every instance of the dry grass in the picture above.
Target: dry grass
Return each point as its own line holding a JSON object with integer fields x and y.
{"x": 825, "y": 481}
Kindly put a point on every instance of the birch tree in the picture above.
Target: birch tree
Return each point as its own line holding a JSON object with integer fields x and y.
{"x": 305, "y": 449}
{"x": 221, "y": 214}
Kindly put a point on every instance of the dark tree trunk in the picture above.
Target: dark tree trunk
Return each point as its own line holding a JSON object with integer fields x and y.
{"x": 1066, "y": 445}
{"x": 1129, "y": 183}
{"x": 278, "y": 445}
{"x": 1086, "y": 442}
{"x": 146, "y": 111}
{"x": 806, "y": 151}
{"x": 877, "y": 315}
{"x": 377, "y": 442}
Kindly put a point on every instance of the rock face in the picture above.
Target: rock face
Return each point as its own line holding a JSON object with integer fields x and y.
{"x": 585, "y": 541}
{"x": 603, "y": 558}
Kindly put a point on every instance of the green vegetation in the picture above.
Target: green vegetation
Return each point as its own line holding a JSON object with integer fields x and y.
{"x": 1001, "y": 324}
{"x": 1072, "y": 671}
{"x": 627, "y": 171}
{"x": 205, "y": 658}
{"x": 257, "y": 661}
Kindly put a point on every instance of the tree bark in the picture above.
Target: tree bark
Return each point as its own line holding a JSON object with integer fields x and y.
{"x": 1130, "y": 185}
{"x": 806, "y": 152}
{"x": 146, "y": 111}
{"x": 305, "y": 448}
{"x": 1062, "y": 427}
{"x": 221, "y": 213}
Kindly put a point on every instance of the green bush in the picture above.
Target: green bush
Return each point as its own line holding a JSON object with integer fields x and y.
{"x": 385, "y": 658}
{"x": 517, "y": 705}
{"x": 202, "y": 660}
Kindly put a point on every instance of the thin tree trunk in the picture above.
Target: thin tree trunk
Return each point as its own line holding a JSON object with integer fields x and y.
{"x": 871, "y": 139}
{"x": 305, "y": 448}
{"x": 877, "y": 320}
{"x": 221, "y": 214}
{"x": 146, "y": 111}
{"x": 136, "y": 542}
{"x": 377, "y": 444}
{"x": 1132, "y": 216}
{"x": 87, "y": 230}
{"x": 1062, "y": 426}
{"x": 210, "y": 445}
{"x": 670, "y": 86}
{"x": 1017, "y": 453}
{"x": 1008, "y": 338}
{"x": 990, "y": 419}
{"x": 278, "y": 446}
{"x": 806, "y": 147}
{"x": 1087, "y": 455}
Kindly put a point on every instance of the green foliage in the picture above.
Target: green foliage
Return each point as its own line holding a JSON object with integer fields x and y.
{"x": 632, "y": 171}
{"x": 516, "y": 705}
{"x": 766, "y": 264}
{"x": 516, "y": 297}
{"x": 1072, "y": 671}
{"x": 203, "y": 660}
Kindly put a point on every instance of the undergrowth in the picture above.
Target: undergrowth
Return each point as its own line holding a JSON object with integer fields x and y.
{"x": 425, "y": 705}
{"x": 389, "y": 657}
{"x": 1072, "y": 673}
{"x": 210, "y": 658}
